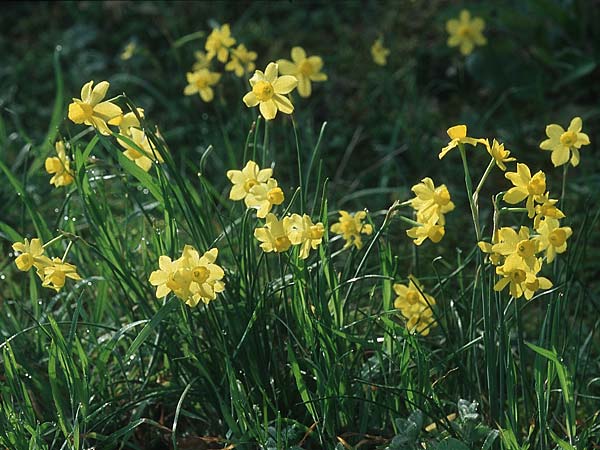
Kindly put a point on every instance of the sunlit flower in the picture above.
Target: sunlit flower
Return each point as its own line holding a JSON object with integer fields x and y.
{"x": 531, "y": 286}
{"x": 263, "y": 196}
{"x": 304, "y": 68}
{"x": 379, "y": 53}
{"x": 60, "y": 166}
{"x": 127, "y": 121}
{"x": 201, "y": 82}
{"x": 91, "y": 110}
{"x": 274, "y": 235}
{"x": 495, "y": 258}
{"x": 244, "y": 180}
{"x": 128, "y": 51}
{"x": 458, "y": 135}
{"x": 140, "y": 150}
{"x": 30, "y": 253}
{"x": 498, "y": 152}
{"x": 547, "y": 208}
{"x": 415, "y": 306}
{"x": 512, "y": 243}
{"x": 431, "y": 200}
{"x": 164, "y": 277}
{"x": 565, "y": 144}
{"x": 218, "y": 43}
{"x": 203, "y": 274}
{"x": 303, "y": 232}
{"x": 430, "y": 228}
{"x": 351, "y": 226}
{"x": 465, "y": 32}
{"x": 526, "y": 186}
{"x": 552, "y": 237}
{"x": 521, "y": 278}
{"x": 268, "y": 91}
{"x": 55, "y": 274}
{"x": 242, "y": 61}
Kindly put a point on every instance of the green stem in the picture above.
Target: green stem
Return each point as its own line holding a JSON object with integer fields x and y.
{"x": 564, "y": 184}
{"x": 488, "y": 170}
{"x": 67, "y": 251}
{"x": 52, "y": 241}
{"x": 299, "y": 162}
{"x": 469, "y": 186}
{"x": 265, "y": 144}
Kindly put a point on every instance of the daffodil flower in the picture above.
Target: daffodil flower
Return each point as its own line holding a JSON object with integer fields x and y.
{"x": 465, "y": 32}
{"x": 218, "y": 43}
{"x": 303, "y": 232}
{"x": 91, "y": 110}
{"x": 351, "y": 226}
{"x": 415, "y": 306}
{"x": 59, "y": 166}
{"x": 525, "y": 186}
{"x": 306, "y": 69}
{"x": 201, "y": 82}
{"x": 379, "y": 53}
{"x": 274, "y": 236}
{"x": 269, "y": 90}
{"x": 565, "y": 145}
{"x": 458, "y": 135}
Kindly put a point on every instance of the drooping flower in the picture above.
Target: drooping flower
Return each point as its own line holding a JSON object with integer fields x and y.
{"x": 351, "y": 226}
{"x": 415, "y": 305}
{"x": 244, "y": 180}
{"x": 565, "y": 145}
{"x": 242, "y": 61}
{"x": 430, "y": 228}
{"x": 31, "y": 253}
{"x": 268, "y": 91}
{"x": 55, "y": 274}
{"x": 60, "y": 166}
{"x": 458, "y": 135}
{"x": 263, "y": 196}
{"x": 91, "y": 110}
{"x": 379, "y": 53}
{"x": 201, "y": 82}
{"x": 525, "y": 186}
{"x": 127, "y": 121}
{"x": 465, "y": 32}
{"x": 552, "y": 237}
{"x": 431, "y": 200}
{"x": 304, "y": 68}
{"x": 303, "y": 232}
{"x": 218, "y": 43}
{"x": 499, "y": 153}
{"x": 274, "y": 235}
{"x": 141, "y": 150}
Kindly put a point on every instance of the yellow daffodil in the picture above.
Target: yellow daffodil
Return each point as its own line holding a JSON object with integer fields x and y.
{"x": 274, "y": 235}
{"x": 547, "y": 208}
{"x": 351, "y": 226}
{"x": 163, "y": 278}
{"x": 565, "y": 145}
{"x": 458, "y": 135}
{"x": 59, "y": 166}
{"x": 128, "y": 51}
{"x": 465, "y": 32}
{"x": 242, "y": 61}
{"x": 269, "y": 90}
{"x": 430, "y": 228}
{"x": 379, "y": 53}
{"x": 495, "y": 258}
{"x": 202, "y": 61}
{"x": 244, "y": 180}
{"x": 526, "y": 186}
{"x": 515, "y": 274}
{"x": 55, "y": 274}
{"x": 532, "y": 286}
{"x": 415, "y": 306}
{"x": 552, "y": 237}
{"x": 304, "y": 68}
{"x": 512, "y": 243}
{"x": 91, "y": 110}
{"x": 263, "y": 196}
{"x": 218, "y": 43}
{"x": 499, "y": 153}
{"x": 201, "y": 82}
{"x": 303, "y": 232}
{"x": 31, "y": 253}
{"x": 431, "y": 200}
{"x": 127, "y": 121}
{"x": 141, "y": 150}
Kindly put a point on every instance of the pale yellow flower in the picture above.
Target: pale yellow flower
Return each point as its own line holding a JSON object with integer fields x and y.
{"x": 565, "y": 145}
{"x": 466, "y": 32}
{"x": 55, "y": 274}
{"x": 304, "y": 68}
{"x": 351, "y": 226}
{"x": 415, "y": 306}
{"x": 458, "y": 135}
{"x": 202, "y": 61}
{"x": 141, "y": 150}
{"x": 218, "y": 43}
{"x": 242, "y": 61}
{"x": 269, "y": 90}
{"x": 303, "y": 232}
{"x": 431, "y": 200}
{"x": 430, "y": 228}
{"x": 379, "y": 53}
{"x": 128, "y": 51}
{"x": 263, "y": 196}
{"x": 163, "y": 278}
{"x": 127, "y": 121}
{"x": 201, "y": 82}
{"x": 274, "y": 236}
{"x": 31, "y": 253}
{"x": 552, "y": 237}
{"x": 520, "y": 244}
{"x": 244, "y": 180}
{"x": 527, "y": 187}
{"x": 203, "y": 274}
{"x": 499, "y": 153}
{"x": 547, "y": 208}
{"x": 521, "y": 278}
{"x": 91, "y": 110}
{"x": 60, "y": 166}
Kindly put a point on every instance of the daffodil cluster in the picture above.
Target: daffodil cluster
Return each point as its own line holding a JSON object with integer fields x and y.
{"x": 60, "y": 166}
{"x": 191, "y": 277}
{"x": 415, "y": 305}
{"x": 219, "y": 46}
{"x": 52, "y": 271}
{"x": 430, "y": 204}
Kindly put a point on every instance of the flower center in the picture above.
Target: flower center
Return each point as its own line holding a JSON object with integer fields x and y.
{"x": 464, "y": 31}
{"x": 202, "y": 82}
{"x": 518, "y": 276}
{"x": 306, "y": 68}
{"x": 282, "y": 243}
{"x": 412, "y": 297}
{"x": 275, "y": 196}
{"x": 263, "y": 90}
{"x": 537, "y": 185}
{"x": 348, "y": 227}
{"x": 568, "y": 138}
{"x": 533, "y": 286}
{"x": 249, "y": 184}
{"x": 526, "y": 249}
{"x": 200, "y": 274}
{"x": 558, "y": 237}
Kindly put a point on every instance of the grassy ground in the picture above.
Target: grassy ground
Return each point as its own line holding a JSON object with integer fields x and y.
{"x": 295, "y": 353}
